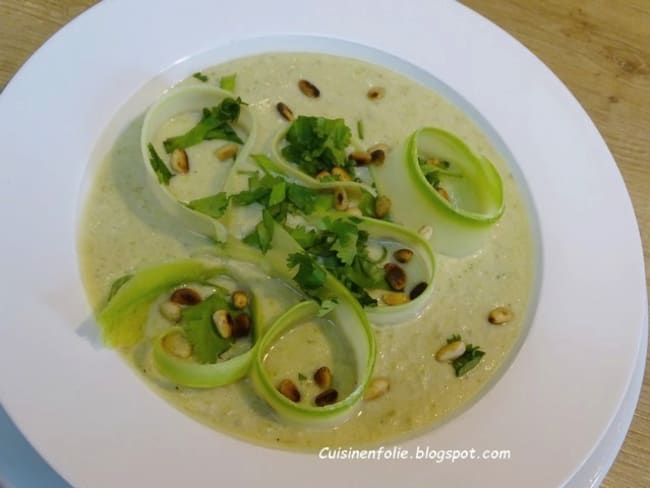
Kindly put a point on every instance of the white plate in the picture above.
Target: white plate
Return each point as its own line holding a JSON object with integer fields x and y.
{"x": 95, "y": 421}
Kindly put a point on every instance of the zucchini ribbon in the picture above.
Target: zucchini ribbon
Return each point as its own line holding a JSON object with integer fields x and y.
{"x": 459, "y": 216}
{"x": 358, "y": 334}
{"x": 356, "y": 328}
{"x": 122, "y": 319}
{"x": 193, "y": 98}
{"x": 382, "y": 230}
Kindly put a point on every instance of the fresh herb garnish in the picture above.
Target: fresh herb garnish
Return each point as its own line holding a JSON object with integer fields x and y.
{"x": 278, "y": 193}
{"x": 214, "y": 206}
{"x": 454, "y": 338}
{"x": 214, "y": 124}
{"x": 228, "y": 82}
{"x": 470, "y": 358}
{"x": 159, "y": 167}
{"x": 206, "y": 343}
{"x": 302, "y": 377}
{"x": 360, "y": 131}
{"x": 117, "y": 284}
{"x": 310, "y": 275}
{"x": 342, "y": 249}
{"x": 316, "y": 144}
{"x": 262, "y": 236}
{"x": 326, "y": 306}
{"x": 281, "y": 197}
{"x": 200, "y": 76}
{"x": 345, "y": 241}
{"x": 367, "y": 203}
{"x": 433, "y": 169}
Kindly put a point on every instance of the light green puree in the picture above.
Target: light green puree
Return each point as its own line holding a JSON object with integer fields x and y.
{"x": 124, "y": 229}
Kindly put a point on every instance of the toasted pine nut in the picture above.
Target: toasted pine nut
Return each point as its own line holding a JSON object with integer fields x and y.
{"x": 362, "y": 158}
{"x": 179, "y": 161}
{"x": 500, "y": 316}
{"x": 285, "y": 111}
{"x": 378, "y": 153}
{"x": 394, "y": 298}
{"x": 170, "y": 310}
{"x": 451, "y": 351}
{"x": 418, "y": 290}
{"x": 426, "y": 231}
{"x": 323, "y": 377}
{"x": 239, "y": 299}
{"x": 323, "y": 174}
{"x": 341, "y": 201}
{"x": 340, "y": 174}
{"x": 223, "y": 323}
{"x": 378, "y": 386}
{"x": 382, "y": 206}
{"x": 443, "y": 193}
{"x": 177, "y": 345}
{"x": 403, "y": 255}
{"x": 308, "y": 89}
{"x": 186, "y": 296}
{"x": 227, "y": 151}
{"x": 376, "y": 93}
{"x": 395, "y": 276}
{"x": 326, "y": 398}
{"x": 241, "y": 325}
{"x": 289, "y": 390}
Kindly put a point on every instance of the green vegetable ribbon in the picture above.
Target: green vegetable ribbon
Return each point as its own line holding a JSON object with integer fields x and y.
{"x": 357, "y": 333}
{"x": 203, "y": 215}
{"x": 459, "y": 224}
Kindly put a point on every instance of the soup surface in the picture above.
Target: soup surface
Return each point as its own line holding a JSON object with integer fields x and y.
{"x": 124, "y": 229}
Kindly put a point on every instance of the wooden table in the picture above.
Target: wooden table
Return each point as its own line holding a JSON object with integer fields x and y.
{"x": 599, "y": 48}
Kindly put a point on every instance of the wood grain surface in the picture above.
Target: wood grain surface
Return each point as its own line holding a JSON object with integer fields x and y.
{"x": 599, "y": 48}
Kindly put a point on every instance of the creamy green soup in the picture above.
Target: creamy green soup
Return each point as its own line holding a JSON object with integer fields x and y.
{"x": 124, "y": 229}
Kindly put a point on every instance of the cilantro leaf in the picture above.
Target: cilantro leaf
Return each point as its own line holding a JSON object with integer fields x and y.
{"x": 280, "y": 196}
{"x": 345, "y": 244}
{"x": 470, "y": 358}
{"x": 214, "y": 206}
{"x": 310, "y": 275}
{"x": 342, "y": 249}
{"x": 278, "y": 193}
{"x": 433, "y": 169}
{"x": 214, "y": 124}
{"x": 302, "y": 197}
{"x": 206, "y": 343}
{"x": 306, "y": 238}
{"x": 454, "y": 338}
{"x": 262, "y": 236}
{"x": 200, "y": 76}
{"x": 326, "y": 306}
{"x": 159, "y": 167}
{"x": 367, "y": 203}
{"x": 228, "y": 82}
{"x": 252, "y": 240}
{"x": 317, "y": 143}
{"x": 258, "y": 191}
{"x": 265, "y": 230}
